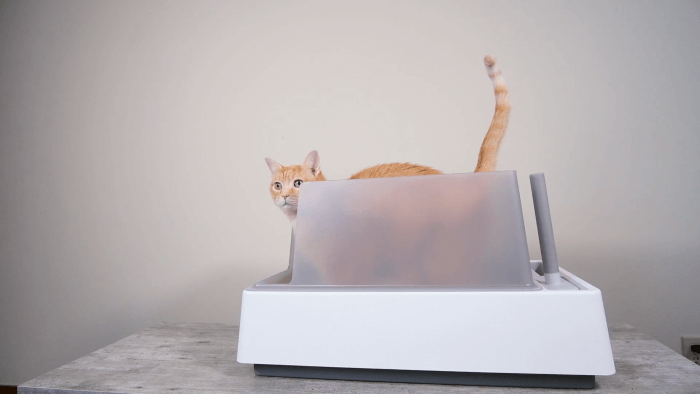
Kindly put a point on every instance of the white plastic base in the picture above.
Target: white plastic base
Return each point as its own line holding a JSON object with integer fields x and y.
{"x": 561, "y": 332}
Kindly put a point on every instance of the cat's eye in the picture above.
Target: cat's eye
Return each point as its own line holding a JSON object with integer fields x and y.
{"x": 298, "y": 183}
{"x": 278, "y": 185}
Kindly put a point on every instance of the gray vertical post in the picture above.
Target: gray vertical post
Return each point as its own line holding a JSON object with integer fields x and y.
{"x": 550, "y": 264}
{"x": 291, "y": 249}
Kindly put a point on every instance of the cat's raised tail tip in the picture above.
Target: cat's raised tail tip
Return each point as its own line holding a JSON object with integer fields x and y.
{"x": 489, "y": 61}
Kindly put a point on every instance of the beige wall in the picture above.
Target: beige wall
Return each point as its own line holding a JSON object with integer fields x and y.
{"x": 132, "y": 136}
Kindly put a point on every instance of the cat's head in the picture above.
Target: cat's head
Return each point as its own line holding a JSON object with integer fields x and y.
{"x": 284, "y": 187}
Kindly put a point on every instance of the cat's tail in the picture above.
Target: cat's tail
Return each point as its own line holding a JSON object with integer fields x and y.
{"x": 492, "y": 142}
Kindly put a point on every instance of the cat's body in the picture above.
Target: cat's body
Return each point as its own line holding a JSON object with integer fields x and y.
{"x": 395, "y": 169}
{"x": 286, "y": 180}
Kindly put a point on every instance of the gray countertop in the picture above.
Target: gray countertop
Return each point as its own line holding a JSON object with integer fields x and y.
{"x": 197, "y": 357}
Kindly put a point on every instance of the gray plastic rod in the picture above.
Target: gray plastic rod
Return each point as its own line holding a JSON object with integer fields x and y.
{"x": 291, "y": 248}
{"x": 550, "y": 264}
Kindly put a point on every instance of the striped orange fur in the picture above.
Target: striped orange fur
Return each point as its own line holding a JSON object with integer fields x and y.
{"x": 284, "y": 187}
{"x": 499, "y": 124}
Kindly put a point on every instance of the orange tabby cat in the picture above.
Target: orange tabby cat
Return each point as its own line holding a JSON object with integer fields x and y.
{"x": 286, "y": 180}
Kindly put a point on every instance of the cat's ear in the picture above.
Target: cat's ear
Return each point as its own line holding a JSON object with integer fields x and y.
{"x": 313, "y": 162}
{"x": 273, "y": 165}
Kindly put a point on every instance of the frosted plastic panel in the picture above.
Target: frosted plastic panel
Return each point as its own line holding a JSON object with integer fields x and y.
{"x": 436, "y": 230}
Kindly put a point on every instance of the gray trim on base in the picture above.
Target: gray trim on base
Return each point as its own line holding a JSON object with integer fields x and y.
{"x": 430, "y": 377}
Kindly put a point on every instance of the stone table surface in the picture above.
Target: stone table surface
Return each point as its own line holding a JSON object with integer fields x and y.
{"x": 196, "y": 357}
